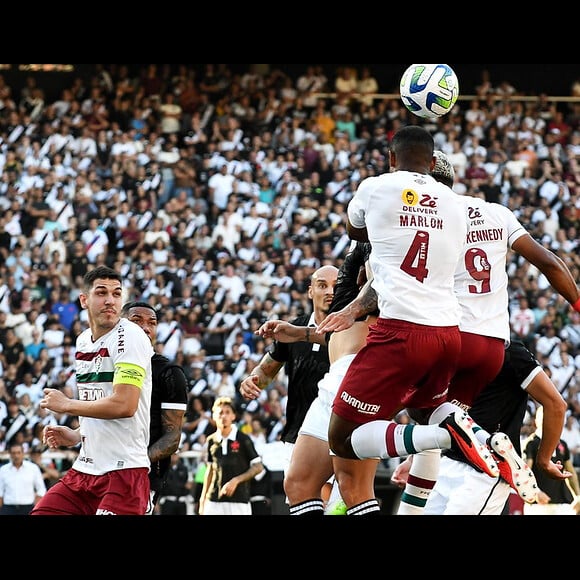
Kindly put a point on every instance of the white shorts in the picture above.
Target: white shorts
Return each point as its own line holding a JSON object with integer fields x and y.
{"x": 317, "y": 418}
{"x": 461, "y": 490}
{"x": 226, "y": 508}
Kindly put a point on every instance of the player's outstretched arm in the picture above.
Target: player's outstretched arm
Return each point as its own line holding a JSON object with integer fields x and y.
{"x": 283, "y": 331}
{"x": 543, "y": 390}
{"x": 365, "y": 303}
{"x": 251, "y": 387}
{"x": 551, "y": 265}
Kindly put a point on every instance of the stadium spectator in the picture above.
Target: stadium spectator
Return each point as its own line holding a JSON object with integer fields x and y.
{"x": 21, "y": 483}
{"x": 48, "y": 468}
{"x": 15, "y": 427}
{"x": 176, "y": 492}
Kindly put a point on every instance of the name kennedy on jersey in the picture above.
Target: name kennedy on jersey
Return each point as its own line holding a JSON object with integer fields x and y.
{"x": 490, "y": 235}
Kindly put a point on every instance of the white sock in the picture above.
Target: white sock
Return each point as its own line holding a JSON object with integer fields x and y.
{"x": 421, "y": 480}
{"x": 370, "y": 440}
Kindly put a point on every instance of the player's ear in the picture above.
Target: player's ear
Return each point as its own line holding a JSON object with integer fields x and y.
{"x": 433, "y": 162}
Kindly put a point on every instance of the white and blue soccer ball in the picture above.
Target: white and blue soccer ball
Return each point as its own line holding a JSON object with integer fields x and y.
{"x": 429, "y": 90}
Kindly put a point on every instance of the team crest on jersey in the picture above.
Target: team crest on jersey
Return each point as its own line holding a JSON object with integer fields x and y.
{"x": 410, "y": 197}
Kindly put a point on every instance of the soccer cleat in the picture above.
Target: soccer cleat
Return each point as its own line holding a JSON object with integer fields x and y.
{"x": 463, "y": 439}
{"x": 513, "y": 468}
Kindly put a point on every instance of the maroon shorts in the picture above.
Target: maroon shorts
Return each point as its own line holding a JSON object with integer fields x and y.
{"x": 124, "y": 492}
{"x": 401, "y": 365}
{"x": 480, "y": 361}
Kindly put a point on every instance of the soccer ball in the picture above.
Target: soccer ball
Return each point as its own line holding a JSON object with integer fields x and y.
{"x": 429, "y": 90}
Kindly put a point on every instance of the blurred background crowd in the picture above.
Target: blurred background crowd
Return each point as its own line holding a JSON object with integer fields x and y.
{"x": 218, "y": 189}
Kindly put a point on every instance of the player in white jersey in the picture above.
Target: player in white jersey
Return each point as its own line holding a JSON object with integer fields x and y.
{"x": 113, "y": 373}
{"x": 481, "y": 284}
{"x": 417, "y": 228}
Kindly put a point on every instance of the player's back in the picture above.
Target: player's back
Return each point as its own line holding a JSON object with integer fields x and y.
{"x": 481, "y": 279}
{"x": 417, "y": 229}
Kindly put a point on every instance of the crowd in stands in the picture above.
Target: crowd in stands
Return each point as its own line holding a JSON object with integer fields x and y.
{"x": 218, "y": 194}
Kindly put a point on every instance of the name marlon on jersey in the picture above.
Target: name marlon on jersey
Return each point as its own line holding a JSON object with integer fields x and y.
{"x": 419, "y": 221}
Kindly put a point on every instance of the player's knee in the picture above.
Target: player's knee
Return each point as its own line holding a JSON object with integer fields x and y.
{"x": 339, "y": 438}
{"x": 298, "y": 489}
{"x": 289, "y": 485}
{"x": 342, "y": 447}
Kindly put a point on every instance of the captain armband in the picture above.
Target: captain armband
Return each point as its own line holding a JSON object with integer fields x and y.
{"x": 129, "y": 374}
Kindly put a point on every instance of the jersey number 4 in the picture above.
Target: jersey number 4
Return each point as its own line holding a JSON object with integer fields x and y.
{"x": 415, "y": 262}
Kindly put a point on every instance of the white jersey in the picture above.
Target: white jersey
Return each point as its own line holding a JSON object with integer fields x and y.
{"x": 417, "y": 228}
{"x": 481, "y": 280}
{"x": 111, "y": 444}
